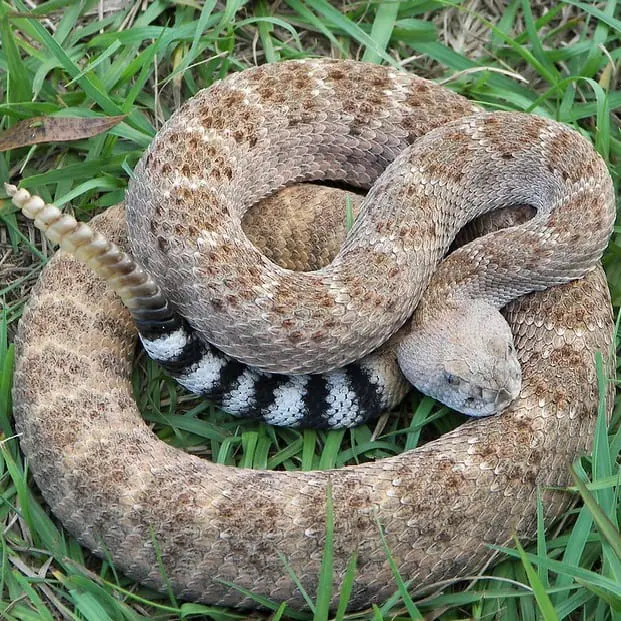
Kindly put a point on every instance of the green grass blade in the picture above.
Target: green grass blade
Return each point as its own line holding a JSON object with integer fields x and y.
{"x": 541, "y": 540}
{"x": 326, "y": 579}
{"x": 346, "y": 587}
{"x": 340, "y": 20}
{"x": 92, "y": 90}
{"x": 401, "y": 585}
{"x": 19, "y": 77}
{"x": 598, "y": 13}
{"x": 586, "y": 576}
{"x": 330, "y": 453}
{"x": 381, "y": 31}
{"x": 543, "y": 600}
{"x": 604, "y": 523}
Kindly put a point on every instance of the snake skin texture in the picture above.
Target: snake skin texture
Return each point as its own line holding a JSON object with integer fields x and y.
{"x": 266, "y": 127}
{"x": 118, "y": 489}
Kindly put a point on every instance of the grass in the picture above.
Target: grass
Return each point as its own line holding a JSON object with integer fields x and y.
{"x": 60, "y": 59}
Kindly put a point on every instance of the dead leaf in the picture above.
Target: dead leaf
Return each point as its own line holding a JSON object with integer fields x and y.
{"x": 55, "y": 129}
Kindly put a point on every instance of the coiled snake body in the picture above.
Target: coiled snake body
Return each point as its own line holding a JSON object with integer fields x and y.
{"x": 118, "y": 489}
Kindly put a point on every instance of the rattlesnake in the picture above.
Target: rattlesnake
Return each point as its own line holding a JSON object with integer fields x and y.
{"x": 154, "y": 510}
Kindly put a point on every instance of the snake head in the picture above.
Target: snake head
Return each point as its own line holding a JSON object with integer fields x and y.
{"x": 464, "y": 358}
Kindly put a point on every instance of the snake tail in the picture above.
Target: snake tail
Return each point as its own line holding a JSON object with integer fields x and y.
{"x": 342, "y": 398}
{"x": 138, "y": 291}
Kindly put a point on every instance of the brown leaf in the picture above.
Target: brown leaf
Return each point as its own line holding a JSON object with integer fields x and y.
{"x": 55, "y": 129}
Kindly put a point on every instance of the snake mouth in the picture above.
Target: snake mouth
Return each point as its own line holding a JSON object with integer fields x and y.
{"x": 500, "y": 399}
{"x": 490, "y": 401}
{"x": 503, "y": 399}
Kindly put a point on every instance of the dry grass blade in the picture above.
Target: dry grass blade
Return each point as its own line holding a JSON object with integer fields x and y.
{"x": 55, "y": 129}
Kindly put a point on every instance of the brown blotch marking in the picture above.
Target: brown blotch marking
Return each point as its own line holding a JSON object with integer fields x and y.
{"x": 451, "y": 480}
{"x": 66, "y": 317}
{"x": 363, "y": 111}
{"x": 509, "y": 143}
{"x": 206, "y": 119}
{"x": 58, "y": 367}
{"x": 190, "y": 212}
{"x": 301, "y": 82}
{"x": 446, "y": 161}
{"x": 572, "y": 157}
{"x": 380, "y": 80}
{"x": 295, "y": 336}
{"x": 293, "y": 86}
{"x": 361, "y": 91}
{"x": 424, "y": 96}
{"x": 571, "y": 315}
{"x": 559, "y": 399}
{"x": 326, "y": 301}
{"x": 233, "y": 99}
{"x": 158, "y": 210}
{"x": 525, "y": 472}
{"x": 225, "y": 252}
{"x": 314, "y": 505}
{"x": 354, "y": 495}
{"x": 335, "y": 74}
{"x": 375, "y": 280}
{"x": 175, "y": 516}
{"x": 567, "y": 357}
{"x": 250, "y": 514}
{"x": 486, "y": 449}
{"x": 420, "y": 230}
{"x": 225, "y": 109}
{"x": 109, "y": 325}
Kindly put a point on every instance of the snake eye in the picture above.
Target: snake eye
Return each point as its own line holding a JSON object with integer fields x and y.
{"x": 452, "y": 380}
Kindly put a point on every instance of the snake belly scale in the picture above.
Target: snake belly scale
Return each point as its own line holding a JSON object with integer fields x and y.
{"x": 117, "y": 488}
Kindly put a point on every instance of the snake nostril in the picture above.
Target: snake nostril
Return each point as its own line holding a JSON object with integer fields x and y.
{"x": 503, "y": 398}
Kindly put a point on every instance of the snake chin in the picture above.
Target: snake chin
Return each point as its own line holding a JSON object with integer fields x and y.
{"x": 474, "y": 371}
{"x": 473, "y": 398}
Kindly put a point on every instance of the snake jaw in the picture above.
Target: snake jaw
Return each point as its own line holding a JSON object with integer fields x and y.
{"x": 475, "y": 370}
{"x": 497, "y": 400}
{"x": 473, "y": 399}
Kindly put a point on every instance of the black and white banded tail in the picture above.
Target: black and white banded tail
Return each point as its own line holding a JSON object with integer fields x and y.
{"x": 341, "y": 398}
